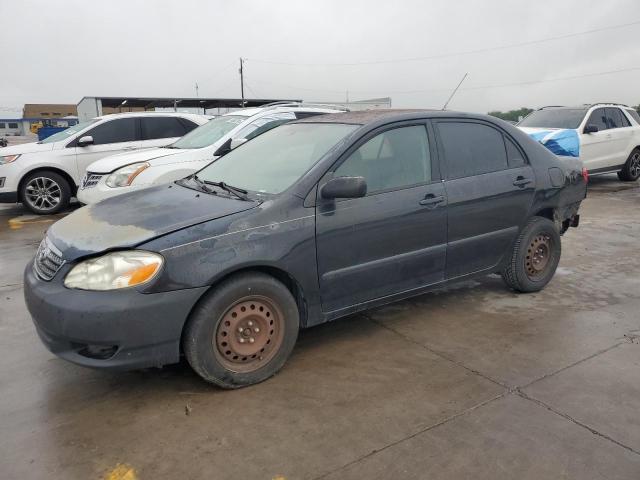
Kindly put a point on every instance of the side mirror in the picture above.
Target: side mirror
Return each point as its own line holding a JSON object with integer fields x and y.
{"x": 344, "y": 187}
{"x": 86, "y": 140}
{"x": 223, "y": 149}
{"x": 236, "y": 142}
{"x": 591, "y": 128}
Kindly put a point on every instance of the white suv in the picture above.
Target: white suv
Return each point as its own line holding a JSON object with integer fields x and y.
{"x": 124, "y": 173}
{"x": 606, "y": 136}
{"x": 44, "y": 175}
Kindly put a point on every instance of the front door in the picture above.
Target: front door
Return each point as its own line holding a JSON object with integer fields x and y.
{"x": 393, "y": 239}
{"x": 595, "y": 148}
{"x": 490, "y": 188}
{"x": 111, "y": 137}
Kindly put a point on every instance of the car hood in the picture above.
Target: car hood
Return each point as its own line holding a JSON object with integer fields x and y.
{"x": 560, "y": 141}
{"x": 133, "y": 218}
{"x": 113, "y": 162}
{"x": 26, "y": 148}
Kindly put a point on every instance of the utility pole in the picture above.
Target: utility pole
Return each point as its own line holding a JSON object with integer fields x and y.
{"x": 242, "y": 81}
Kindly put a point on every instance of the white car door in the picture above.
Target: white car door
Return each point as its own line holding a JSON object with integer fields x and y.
{"x": 595, "y": 148}
{"x": 622, "y": 134}
{"x": 110, "y": 137}
{"x": 163, "y": 130}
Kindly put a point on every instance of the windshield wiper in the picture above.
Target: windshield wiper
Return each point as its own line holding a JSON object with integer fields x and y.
{"x": 201, "y": 185}
{"x": 238, "y": 192}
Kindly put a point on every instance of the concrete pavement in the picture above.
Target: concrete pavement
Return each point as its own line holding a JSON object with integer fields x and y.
{"x": 472, "y": 381}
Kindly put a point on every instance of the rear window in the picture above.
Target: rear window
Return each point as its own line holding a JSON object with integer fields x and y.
{"x": 554, "y": 118}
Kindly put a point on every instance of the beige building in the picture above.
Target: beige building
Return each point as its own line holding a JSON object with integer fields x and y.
{"x": 48, "y": 110}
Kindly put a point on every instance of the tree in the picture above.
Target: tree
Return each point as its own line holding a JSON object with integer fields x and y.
{"x": 512, "y": 115}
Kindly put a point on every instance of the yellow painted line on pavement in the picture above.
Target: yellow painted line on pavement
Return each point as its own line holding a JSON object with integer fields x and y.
{"x": 19, "y": 222}
{"x": 122, "y": 471}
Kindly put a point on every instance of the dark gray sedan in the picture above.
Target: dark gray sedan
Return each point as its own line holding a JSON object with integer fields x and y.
{"x": 306, "y": 223}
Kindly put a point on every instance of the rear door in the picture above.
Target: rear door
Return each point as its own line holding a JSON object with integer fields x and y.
{"x": 111, "y": 137}
{"x": 162, "y": 131}
{"x": 393, "y": 239}
{"x": 490, "y": 188}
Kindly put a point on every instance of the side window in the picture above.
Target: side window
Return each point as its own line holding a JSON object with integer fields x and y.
{"x": 472, "y": 149}
{"x": 264, "y": 124}
{"x": 599, "y": 119}
{"x": 514, "y": 156}
{"x": 394, "y": 159}
{"x": 616, "y": 118}
{"x": 114, "y": 131}
{"x": 300, "y": 115}
{"x": 161, "y": 127}
{"x": 634, "y": 114}
{"x": 187, "y": 124}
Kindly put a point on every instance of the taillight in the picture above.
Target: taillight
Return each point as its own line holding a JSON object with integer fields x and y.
{"x": 585, "y": 175}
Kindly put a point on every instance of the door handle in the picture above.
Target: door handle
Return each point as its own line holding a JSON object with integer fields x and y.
{"x": 432, "y": 200}
{"x": 129, "y": 148}
{"x": 521, "y": 181}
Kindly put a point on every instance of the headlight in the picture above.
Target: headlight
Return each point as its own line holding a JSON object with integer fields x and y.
{"x": 8, "y": 159}
{"x": 114, "y": 270}
{"x": 125, "y": 175}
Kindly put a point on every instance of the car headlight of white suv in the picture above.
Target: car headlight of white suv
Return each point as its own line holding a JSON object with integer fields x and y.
{"x": 125, "y": 175}
{"x": 8, "y": 159}
{"x": 115, "y": 270}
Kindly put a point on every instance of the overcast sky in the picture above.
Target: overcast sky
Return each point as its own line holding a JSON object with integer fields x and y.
{"x": 58, "y": 52}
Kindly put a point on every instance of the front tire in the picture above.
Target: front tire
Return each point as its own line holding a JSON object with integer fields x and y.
{"x": 535, "y": 256}
{"x": 45, "y": 192}
{"x": 242, "y": 331}
{"x": 631, "y": 170}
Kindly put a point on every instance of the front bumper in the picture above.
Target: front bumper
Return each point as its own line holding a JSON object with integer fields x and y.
{"x": 8, "y": 197}
{"x": 120, "y": 329}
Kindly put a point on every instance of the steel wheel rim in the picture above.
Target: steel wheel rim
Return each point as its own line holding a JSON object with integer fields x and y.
{"x": 249, "y": 334}
{"x": 538, "y": 258}
{"x": 634, "y": 167}
{"x": 43, "y": 193}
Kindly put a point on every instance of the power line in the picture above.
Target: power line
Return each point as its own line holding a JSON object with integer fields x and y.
{"x": 453, "y": 54}
{"x": 479, "y": 87}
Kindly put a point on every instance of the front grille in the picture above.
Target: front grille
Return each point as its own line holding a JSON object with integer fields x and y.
{"x": 90, "y": 180}
{"x": 48, "y": 260}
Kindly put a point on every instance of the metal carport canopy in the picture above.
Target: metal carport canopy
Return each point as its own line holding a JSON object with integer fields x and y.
{"x": 207, "y": 103}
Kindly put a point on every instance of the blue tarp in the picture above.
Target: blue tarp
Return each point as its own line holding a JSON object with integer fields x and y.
{"x": 560, "y": 142}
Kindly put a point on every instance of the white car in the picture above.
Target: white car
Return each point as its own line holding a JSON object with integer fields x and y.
{"x": 45, "y": 175}
{"x": 127, "y": 172}
{"x": 606, "y": 136}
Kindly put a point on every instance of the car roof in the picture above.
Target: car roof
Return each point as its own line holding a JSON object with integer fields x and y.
{"x": 250, "y": 112}
{"x": 386, "y": 115}
{"x": 153, "y": 114}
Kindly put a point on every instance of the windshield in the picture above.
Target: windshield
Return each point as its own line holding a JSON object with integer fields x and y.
{"x": 65, "y": 134}
{"x": 554, "y": 118}
{"x": 273, "y": 161}
{"x": 210, "y": 132}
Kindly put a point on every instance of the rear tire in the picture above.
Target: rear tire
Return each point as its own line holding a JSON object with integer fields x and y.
{"x": 535, "y": 256}
{"x": 45, "y": 192}
{"x": 631, "y": 170}
{"x": 242, "y": 331}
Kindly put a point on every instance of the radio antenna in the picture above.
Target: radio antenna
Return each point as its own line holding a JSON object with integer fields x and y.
{"x": 454, "y": 91}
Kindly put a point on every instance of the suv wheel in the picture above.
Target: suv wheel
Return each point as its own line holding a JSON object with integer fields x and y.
{"x": 242, "y": 331}
{"x": 535, "y": 256}
{"x": 631, "y": 170}
{"x": 45, "y": 192}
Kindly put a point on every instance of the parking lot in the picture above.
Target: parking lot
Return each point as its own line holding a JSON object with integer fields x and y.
{"x": 473, "y": 381}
